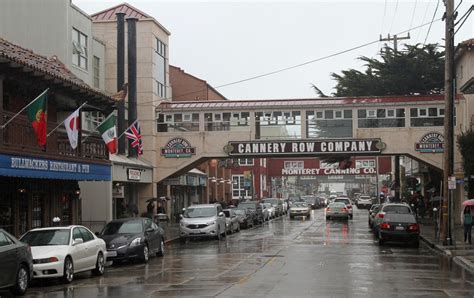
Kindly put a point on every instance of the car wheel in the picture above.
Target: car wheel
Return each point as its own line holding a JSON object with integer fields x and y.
{"x": 99, "y": 265}
{"x": 68, "y": 274}
{"x": 145, "y": 254}
{"x": 21, "y": 282}
{"x": 161, "y": 252}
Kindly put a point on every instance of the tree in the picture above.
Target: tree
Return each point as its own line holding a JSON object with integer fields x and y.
{"x": 466, "y": 147}
{"x": 418, "y": 69}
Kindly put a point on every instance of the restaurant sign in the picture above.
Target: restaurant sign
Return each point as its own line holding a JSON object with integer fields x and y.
{"x": 178, "y": 147}
{"x": 304, "y": 147}
{"x": 430, "y": 143}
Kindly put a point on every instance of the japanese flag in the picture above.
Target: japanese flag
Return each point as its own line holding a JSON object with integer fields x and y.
{"x": 72, "y": 127}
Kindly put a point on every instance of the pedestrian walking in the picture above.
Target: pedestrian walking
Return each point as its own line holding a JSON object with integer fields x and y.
{"x": 466, "y": 219}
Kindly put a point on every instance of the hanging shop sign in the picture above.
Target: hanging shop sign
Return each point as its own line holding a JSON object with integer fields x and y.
{"x": 30, "y": 167}
{"x": 134, "y": 174}
{"x": 304, "y": 147}
{"x": 432, "y": 142}
{"x": 178, "y": 147}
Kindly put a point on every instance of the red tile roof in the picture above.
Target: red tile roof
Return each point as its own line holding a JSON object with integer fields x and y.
{"x": 48, "y": 66}
{"x": 108, "y": 15}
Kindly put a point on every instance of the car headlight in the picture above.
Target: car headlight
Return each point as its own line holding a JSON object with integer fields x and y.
{"x": 136, "y": 241}
{"x": 211, "y": 222}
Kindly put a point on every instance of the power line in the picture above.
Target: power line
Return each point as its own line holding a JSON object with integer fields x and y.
{"x": 293, "y": 66}
{"x": 413, "y": 14}
{"x": 431, "y": 23}
{"x": 394, "y": 15}
{"x": 424, "y": 16}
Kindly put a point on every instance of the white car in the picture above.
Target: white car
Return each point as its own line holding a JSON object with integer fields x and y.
{"x": 348, "y": 203}
{"x": 63, "y": 251}
{"x": 364, "y": 202}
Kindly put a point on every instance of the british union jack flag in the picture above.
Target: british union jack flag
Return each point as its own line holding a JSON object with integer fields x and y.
{"x": 133, "y": 133}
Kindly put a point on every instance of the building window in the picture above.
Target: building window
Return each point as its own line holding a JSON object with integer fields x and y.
{"x": 381, "y": 118}
{"x": 245, "y": 161}
{"x": 431, "y": 116}
{"x": 365, "y": 163}
{"x": 240, "y": 187}
{"x": 160, "y": 68}
{"x": 96, "y": 72}
{"x": 329, "y": 124}
{"x": 92, "y": 120}
{"x": 79, "y": 49}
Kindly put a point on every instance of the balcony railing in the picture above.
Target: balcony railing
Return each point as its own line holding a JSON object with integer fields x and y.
{"x": 20, "y": 136}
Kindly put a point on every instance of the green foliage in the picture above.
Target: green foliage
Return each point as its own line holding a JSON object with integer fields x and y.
{"x": 417, "y": 69}
{"x": 466, "y": 147}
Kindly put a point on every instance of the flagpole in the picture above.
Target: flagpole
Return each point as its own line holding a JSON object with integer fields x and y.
{"x": 61, "y": 123}
{"x": 121, "y": 135}
{"x": 16, "y": 115}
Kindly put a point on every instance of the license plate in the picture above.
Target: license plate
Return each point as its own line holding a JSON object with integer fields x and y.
{"x": 196, "y": 231}
{"x": 111, "y": 253}
{"x": 399, "y": 228}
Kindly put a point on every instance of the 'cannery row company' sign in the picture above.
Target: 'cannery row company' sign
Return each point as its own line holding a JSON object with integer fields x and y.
{"x": 304, "y": 147}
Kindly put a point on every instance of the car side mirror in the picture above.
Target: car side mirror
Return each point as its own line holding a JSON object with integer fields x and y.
{"x": 97, "y": 234}
{"x": 77, "y": 241}
{"x": 221, "y": 214}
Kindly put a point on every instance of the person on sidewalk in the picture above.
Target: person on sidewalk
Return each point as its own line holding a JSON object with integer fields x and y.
{"x": 466, "y": 219}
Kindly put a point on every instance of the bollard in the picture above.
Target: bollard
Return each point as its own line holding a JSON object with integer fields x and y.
{"x": 436, "y": 223}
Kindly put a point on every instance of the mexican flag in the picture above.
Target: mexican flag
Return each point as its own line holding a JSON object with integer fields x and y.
{"x": 109, "y": 133}
{"x": 37, "y": 115}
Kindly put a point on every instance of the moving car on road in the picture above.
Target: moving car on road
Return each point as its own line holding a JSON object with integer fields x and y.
{"x": 300, "y": 209}
{"x": 311, "y": 201}
{"x": 16, "y": 269}
{"x": 64, "y": 251}
{"x": 133, "y": 238}
{"x": 337, "y": 210}
{"x": 231, "y": 221}
{"x": 399, "y": 227}
{"x": 348, "y": 203}
{"x": 206, "y": 220}
{"x": 364, "y": 201}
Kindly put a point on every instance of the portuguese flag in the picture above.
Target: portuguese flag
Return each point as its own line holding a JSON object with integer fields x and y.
{"x": 109, "y": 133}
{"x": 37, "y": 115}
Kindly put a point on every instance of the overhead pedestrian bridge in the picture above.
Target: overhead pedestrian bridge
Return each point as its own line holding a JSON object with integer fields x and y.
{"x": 193, "y": 131}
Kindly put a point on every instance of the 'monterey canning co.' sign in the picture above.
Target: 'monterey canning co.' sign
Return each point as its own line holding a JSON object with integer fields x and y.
{"x": 432, "y": 142}
{"x": 178, "y": 147}
{"x": 304, "y": 147}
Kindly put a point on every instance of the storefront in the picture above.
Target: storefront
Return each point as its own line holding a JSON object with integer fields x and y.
{"x": 35, "y": 190}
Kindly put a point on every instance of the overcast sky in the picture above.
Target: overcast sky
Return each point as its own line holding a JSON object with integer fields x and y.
{"x": 227, "y": 41}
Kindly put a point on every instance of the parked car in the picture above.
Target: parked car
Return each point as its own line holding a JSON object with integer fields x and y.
{"x": 64, "y": 251}
{"x": 348, "y": 203}
{"x": 270, "y": 208}
{"x": 337, "y": 210}
{"x": 231, "y": 221}
{"x": 276, "y": 203}
{"x": 311, "y": 201}
{"x": 255, "y": 207}
{"x": 300, "y": 209}
{"x": 399, "y": 208}
{"x": 245, "y": 218}
{"x": 372, "y": 212}
{"x": 364, "y": 201}
{"x": 16, "y": 270}
{"x": 206, "y": 220}
{"x": 133, "y": 238}
{"x": 399, "y": 227}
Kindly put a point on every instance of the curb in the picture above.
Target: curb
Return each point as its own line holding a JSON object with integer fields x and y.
{"x": 465, "y": 263}
{"x": 171, "y": 240}
{"x": 436, "y": 247}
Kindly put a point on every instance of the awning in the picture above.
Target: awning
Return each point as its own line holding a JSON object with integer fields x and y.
{"x": 129, "y": 161}
{"x": 31, "y": 167}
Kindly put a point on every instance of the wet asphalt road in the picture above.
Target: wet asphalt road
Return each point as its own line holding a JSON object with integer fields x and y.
{"x": 282, "y": 258}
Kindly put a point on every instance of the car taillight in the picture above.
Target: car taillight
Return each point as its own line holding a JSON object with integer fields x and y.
{"x": 328, "y": 209}
{"x": 381, "y": 215}
{"x": 349, "y": 206}
{"x": 344, "y": 209}
{"x": 413, "y": 227}
{"x": 384, "y": 226}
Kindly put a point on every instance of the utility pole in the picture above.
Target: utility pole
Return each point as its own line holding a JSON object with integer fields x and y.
{"x": 395, "y": 39}
{"x": 448, "y": 157}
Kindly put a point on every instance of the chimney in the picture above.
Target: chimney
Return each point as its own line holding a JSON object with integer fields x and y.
{"x": 121, "y": 78}
{"x": 132, "y": 77}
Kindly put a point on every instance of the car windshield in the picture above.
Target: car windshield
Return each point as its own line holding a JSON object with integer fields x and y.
{"x": 364, "y": 198}
{"x": 345, "y": 201}
{"x": 337, "y": 205}
{"x": 47, "y": 237}
{"x": 239, "y": 211}
{"x": 267, "y": 205}
{"x": 299, "y": 204}
{"x": 200, "y": 212}
{"x": 123, "y": 227}
{"x": 247, "y": 206}
{"x": 272, "y": 201}
{"x": 397, "y": 209}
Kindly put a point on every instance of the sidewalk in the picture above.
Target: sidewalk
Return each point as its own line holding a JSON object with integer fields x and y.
{"x": 462, "y": 253}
